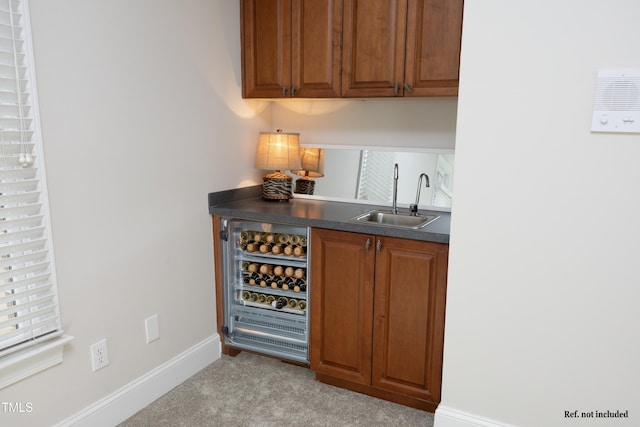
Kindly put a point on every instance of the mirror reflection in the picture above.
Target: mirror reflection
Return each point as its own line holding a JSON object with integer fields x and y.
{"x": 367, "y": 175}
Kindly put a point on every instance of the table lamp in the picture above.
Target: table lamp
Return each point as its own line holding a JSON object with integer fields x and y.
{"x": 312, "y": 161}
{"x": 278, "y": 151}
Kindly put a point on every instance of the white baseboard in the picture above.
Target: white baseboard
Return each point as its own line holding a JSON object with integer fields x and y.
{"x": 131, "y": 398}
{"x": 449, "y": 417}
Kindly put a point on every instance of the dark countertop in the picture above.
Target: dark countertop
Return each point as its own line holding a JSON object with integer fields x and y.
{"x": 246, "y": 203}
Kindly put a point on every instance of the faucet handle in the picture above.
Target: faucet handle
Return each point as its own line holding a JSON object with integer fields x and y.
{"x": 413, "y": 209}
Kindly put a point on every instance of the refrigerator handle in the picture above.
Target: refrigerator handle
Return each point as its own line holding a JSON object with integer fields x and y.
{"x": 224, "y": 230}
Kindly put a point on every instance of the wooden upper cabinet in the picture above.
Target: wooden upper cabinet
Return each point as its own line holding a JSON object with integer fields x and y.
{"x": 350, "y": 48}
{"x": 266, "y": 48}
{"x": 373, "y": 47}
{"x": 291, "y": 48}
{"x": 316, "y": 48}
{"x": 434, "y": 30}
{"x": 401, "y": 47}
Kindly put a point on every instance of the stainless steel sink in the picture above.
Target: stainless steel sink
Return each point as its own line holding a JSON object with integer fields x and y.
{"x": 385, "y": 217}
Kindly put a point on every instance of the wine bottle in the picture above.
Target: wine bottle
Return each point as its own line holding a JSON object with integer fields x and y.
{"x": 253, "y": 267}
{"x": 257, "y": 237}
{"x": 292, "y": 303}
{"x": 266, "y": 269}
{"x": 262, "y": 298}
{"x": 270, "y": 299}
{"x": 253, "y": 247}
{"x": 253, "y": 297}
{"x": 281, "y": 302}
{"x": 254, "y": 279}
{"x": 245, "y": 236}
{"x": 279, "y": 281}
{"x": 269, "y": 238}
{"x": 278, "y": 249}
{"x": 265, "y": 248}
{"x": 278, "y": 270}
{"x": 283, "y": 239}
{"x": 288, "y": 250}
{"x": 264, "y": 281}
{"x": 302, "y": 305}
{"x": 289, "y": 271}
{"x": 299, "y": 251}
{"x": 298, "y": 273}
{"x": 246, "y": 295}
{"x": 294, "y": 239}
{"x": 303, "y": 241}
{"x": 285, "y": 286}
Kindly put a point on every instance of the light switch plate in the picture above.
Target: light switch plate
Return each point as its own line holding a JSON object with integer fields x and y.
{"x": 152, "y": 328}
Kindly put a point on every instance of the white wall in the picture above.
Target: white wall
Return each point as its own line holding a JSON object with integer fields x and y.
{"x": 142, "y": 117}
{"x": 419, "y": 122}
{"x": 543, "y": 296}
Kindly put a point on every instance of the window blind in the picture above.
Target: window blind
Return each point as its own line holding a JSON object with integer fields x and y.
{"x": 28, "y": 297}
{"x": 375, "y": 166}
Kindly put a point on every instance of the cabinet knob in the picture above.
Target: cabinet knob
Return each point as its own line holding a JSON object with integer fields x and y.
{"x": 293, "y": 90}
{"x": 367, "y": 245}
{"x": 407, "y": 87}
{"x": 395, "y": 89}
{"x": 379, "y": 245}
{"x": 284, "y": 91}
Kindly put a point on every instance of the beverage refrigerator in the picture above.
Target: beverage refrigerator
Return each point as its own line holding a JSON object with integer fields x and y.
{"x": 265, "y": 288}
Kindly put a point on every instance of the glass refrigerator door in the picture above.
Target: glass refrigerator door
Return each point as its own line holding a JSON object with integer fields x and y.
{"x": 266, "y": 288}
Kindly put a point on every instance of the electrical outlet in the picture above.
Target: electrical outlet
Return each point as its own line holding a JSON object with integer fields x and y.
{"x": 99, "y": 355}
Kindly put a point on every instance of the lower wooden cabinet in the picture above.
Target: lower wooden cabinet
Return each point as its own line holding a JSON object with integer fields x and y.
{"x": 377, "y": 315}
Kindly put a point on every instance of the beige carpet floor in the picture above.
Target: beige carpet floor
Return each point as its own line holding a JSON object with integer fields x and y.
{"x": 255, "y": 391}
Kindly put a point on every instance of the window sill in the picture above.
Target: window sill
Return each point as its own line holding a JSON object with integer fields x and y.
{"x": 16, "y": 367}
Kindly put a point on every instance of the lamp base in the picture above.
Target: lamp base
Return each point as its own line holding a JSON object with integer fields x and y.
{"x": 276, "y": 186}
{"x": 305, "y": 185}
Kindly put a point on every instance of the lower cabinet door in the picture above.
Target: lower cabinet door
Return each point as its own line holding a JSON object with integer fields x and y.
{"x": 342, "y": 304}
{"x": 408, "y": 332}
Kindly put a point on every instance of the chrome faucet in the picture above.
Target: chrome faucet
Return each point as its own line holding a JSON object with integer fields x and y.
{"x": 413, "y": 207}
{"x": 394, "y": 207}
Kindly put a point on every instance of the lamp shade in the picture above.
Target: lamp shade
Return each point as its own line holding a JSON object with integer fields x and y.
{"x": 278, "y": 151}
{"x": 312, "y": 162}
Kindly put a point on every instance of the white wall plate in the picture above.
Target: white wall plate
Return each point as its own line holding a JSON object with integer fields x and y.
{"x": 616, "y": 106}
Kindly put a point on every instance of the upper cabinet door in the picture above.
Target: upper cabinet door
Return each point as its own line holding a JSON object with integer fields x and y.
{"x": 316, "y": 30}
{"x": 291, "y": 48}
{"x": 434, "y": 29}
{"x": 266, "y": 48}
{"x": 373, "y": 47}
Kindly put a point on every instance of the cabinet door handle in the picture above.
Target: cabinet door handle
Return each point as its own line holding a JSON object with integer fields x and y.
{"x": 407, "y": 87}
{"x": 379, "y": 245}
{"x": 367, "y": 245}
{"x": 284, "y": 91}
{"x": 293, "y": 90}
{"x": 395, "y": 89}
